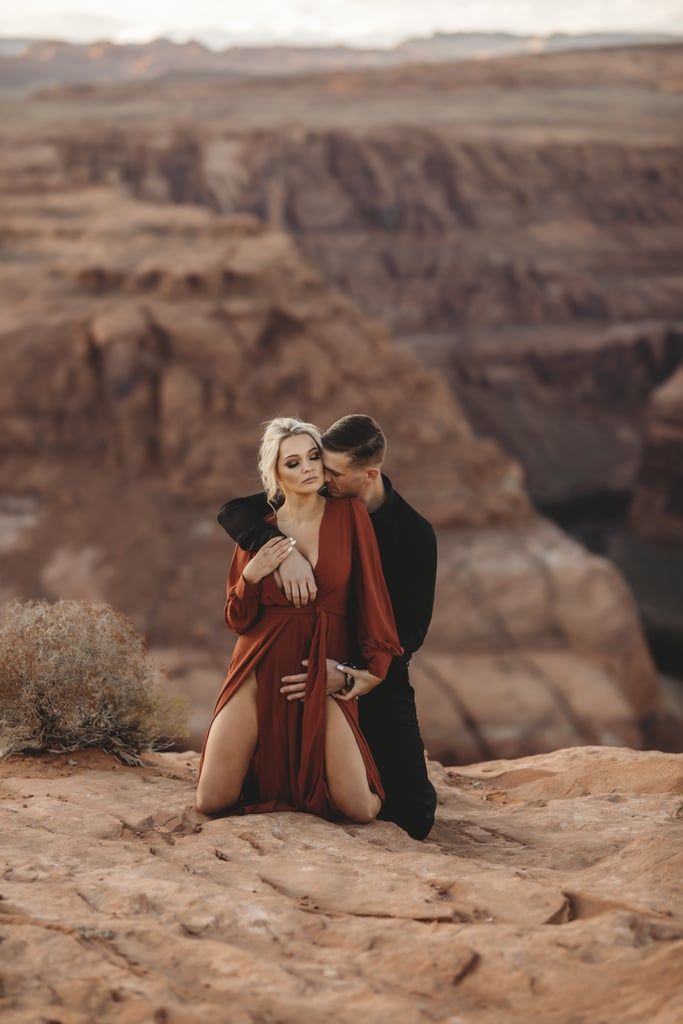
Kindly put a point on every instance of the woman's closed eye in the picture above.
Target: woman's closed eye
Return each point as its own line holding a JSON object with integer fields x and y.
{"x": 313, "y": 457}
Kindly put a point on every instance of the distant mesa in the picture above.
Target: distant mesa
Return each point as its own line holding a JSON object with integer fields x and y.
{"x": 29, "y": 63}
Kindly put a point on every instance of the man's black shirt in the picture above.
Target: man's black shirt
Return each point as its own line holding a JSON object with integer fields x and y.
{"x": 407, "y": 546}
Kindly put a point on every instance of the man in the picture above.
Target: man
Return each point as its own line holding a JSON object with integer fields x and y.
{"x": 353, "y": 453}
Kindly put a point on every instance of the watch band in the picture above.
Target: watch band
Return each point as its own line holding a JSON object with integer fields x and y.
{"x": 348, "y": 684}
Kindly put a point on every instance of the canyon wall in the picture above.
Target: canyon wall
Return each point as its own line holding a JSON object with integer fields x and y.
{"x": 188, "y": 258}
{"x": 140, "y": 358}
{"x": 543, "y": 278}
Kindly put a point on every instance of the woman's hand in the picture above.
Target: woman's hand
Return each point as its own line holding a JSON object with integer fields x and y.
{"x": 267, "y": 559}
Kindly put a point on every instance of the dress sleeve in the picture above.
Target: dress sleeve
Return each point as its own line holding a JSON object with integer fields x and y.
{"x": 377, "y": 634}
{"x": 243, "y": 600}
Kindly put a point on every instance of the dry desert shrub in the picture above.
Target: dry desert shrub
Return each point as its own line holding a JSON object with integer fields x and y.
{"x": 76, "y": 674}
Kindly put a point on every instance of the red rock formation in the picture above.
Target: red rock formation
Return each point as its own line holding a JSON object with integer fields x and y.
{"x": 59, "y": 65}
{"x": 148, "y": 343}
{"x": 649, "y": 549}
{"x": 504, "y": 252}
{"x": 138, "y": 365}
{"x": 163, "y": 332}
{"x": 549, "y": 889}
{"x": 657, "y": 509}
{"x": 571, "y": 403}
{"x": 533, "y": 645}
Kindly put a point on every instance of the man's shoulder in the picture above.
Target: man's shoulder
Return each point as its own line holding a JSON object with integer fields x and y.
{"x": 253, "y": 503}
{"x": 247, "y": 499}
{"x": 409, "y": 516}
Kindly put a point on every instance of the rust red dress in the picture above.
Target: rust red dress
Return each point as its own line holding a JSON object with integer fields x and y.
{"x": 287, "y": 770}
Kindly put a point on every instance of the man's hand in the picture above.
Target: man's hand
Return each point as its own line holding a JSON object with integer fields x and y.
{"x": 295, "y": 579}
{"x": 296, "y": 685}
{"x": 365, "y": 682}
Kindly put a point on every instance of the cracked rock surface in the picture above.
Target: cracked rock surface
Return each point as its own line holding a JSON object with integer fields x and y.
{"x": 549, "y": 890}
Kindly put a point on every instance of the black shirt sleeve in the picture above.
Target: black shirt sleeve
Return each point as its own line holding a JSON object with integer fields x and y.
{"x": 242, "y": 519}
{"x": 423, "y": 584}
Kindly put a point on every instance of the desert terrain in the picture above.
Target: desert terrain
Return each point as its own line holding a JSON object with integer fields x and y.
{"x": 484, "y": 254}
{"x": 549, "y": 889}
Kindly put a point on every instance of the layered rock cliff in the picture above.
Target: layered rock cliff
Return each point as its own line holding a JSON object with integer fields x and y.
{"x": 657, "y": 509}
{"x": 144, "y": 342}
{"x": 139, "y": 361}
{"x": 504, "y": 218}
{"x": 650, "y": 548}
{"x": 156, "y": 343}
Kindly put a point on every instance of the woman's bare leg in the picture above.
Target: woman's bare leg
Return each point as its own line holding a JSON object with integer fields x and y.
{"x": 229, "y": 749}
{"x": 345, "y": 769}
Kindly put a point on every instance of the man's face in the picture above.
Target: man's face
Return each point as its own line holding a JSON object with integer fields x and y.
{"x": 343, "y": 480}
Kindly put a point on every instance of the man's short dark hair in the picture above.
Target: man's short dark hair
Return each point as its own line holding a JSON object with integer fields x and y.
{"x": 359, "y": 437}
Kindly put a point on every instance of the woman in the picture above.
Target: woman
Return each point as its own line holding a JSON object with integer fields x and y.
{"x": 261, "y": 750}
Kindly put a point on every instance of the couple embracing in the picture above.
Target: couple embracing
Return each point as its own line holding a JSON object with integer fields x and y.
{"x": 330, "y": 591}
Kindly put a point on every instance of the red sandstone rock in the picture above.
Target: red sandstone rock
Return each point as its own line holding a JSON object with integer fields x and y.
{"x": 517, "y": 221}
{"x": 136, "y": 370}
{"x": 656, "y": 511}
{"x": 549, "y": 889}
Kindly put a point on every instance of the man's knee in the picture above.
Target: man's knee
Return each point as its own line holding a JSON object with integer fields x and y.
{"x": 419, "y": 826}
{"x": 415, "y": 815}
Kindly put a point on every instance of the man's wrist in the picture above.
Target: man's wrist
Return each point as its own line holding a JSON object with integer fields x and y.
{"x": 349, "y": 678}
{"x": 349, "y": 683}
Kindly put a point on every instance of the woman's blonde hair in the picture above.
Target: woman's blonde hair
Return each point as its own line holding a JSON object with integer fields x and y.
{"x": 274, "y": 434}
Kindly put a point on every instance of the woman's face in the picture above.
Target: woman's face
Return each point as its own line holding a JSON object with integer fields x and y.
{"x": 299, "y": 467}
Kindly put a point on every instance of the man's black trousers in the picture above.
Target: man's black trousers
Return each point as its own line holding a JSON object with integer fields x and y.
{"x": 388, "y": 719}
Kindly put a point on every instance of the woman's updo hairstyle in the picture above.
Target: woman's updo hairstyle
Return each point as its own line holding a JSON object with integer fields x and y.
{"x": 274, "y": 434}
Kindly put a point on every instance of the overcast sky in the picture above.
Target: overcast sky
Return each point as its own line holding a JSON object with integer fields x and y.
{"x": 380, "y": 22}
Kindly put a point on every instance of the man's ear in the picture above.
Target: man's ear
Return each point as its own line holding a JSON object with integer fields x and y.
{"x": 371, "y": 474}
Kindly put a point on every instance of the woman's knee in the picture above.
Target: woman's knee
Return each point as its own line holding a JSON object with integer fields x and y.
{"x": 368, "y": 811}
{"x": 206, "y": 805}
{"x": 211, "y": 798}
